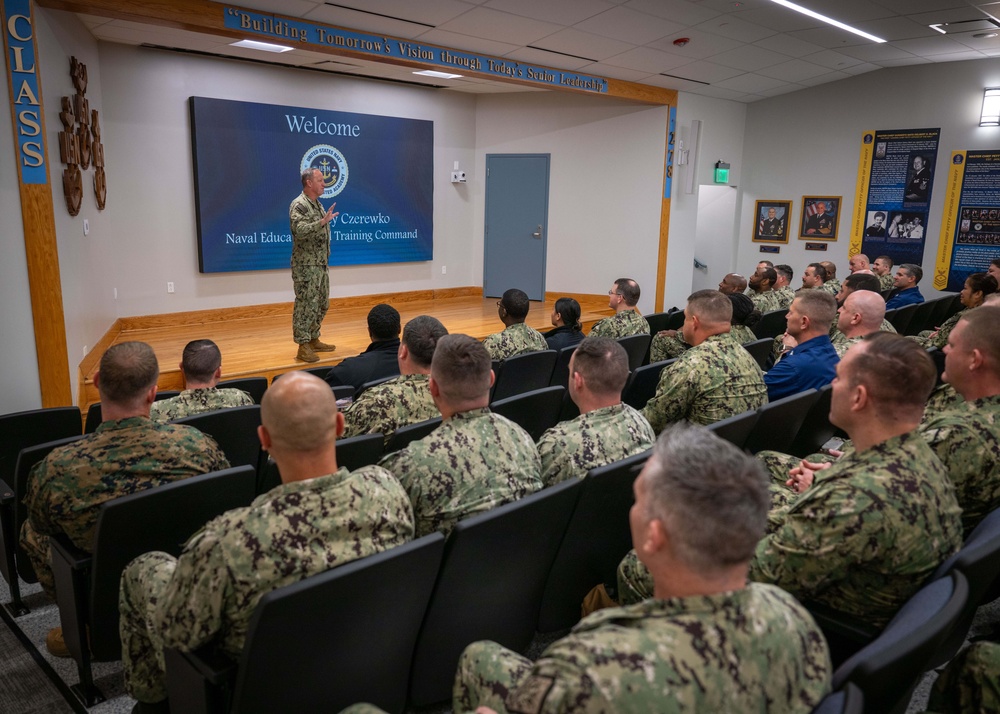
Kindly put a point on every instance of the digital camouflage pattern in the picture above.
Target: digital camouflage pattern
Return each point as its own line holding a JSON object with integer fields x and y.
{"x": 67, "y": 489}
{"x": 767, "y": 301}
{"x": 742, "y": 334}
{"x": 473, "y": 462}
{"x": 939, "y": 337}
{"x": 752, "y": 650}
{"x": 867, "y": 533}
{"x": 944, "y": 398}
{"x": 514, "y": 340}
{"x": 885, "y": 282}
{"x": 967, "y": 440}
{"x": 289, "y": 533}
{"x": 570, "y": 449}
{"x": 391, "y": 405}
{"x": 198, "y": 401}
{"x": 970, "y": 684}
{"x": 785, "y": 297}
{"x": 710, "y": 382}
{"x": 622, "y": 324}
{"x": 842, "y": 342}
{"x": 832, "y": 286}
{"x": 310, "y": 272}
{"x": 666, "y": 347}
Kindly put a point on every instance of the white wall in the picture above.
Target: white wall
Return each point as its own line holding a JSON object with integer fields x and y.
{"x": 19, "y": 388}
{"x": 604, "y": 188}
{"x": 808, "y": 143}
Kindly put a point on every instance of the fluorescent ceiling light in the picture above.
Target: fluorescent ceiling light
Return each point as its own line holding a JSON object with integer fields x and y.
{"x": 439, "y": 75}
{"x": 827, "y": 20}
{"x": 939, "y": 28}
{"x": 263, "y": 46}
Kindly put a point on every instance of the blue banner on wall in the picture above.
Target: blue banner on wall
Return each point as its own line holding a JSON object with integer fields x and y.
{"x": 247, "y": 162}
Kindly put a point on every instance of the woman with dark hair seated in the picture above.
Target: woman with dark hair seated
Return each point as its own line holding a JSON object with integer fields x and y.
{"x": 745, "y": 316}
{"x": 977, "y": 287}
{"x": 568, "y": 331}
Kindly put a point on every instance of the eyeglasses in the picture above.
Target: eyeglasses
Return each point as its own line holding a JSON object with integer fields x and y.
{"x": 613, "y": 292}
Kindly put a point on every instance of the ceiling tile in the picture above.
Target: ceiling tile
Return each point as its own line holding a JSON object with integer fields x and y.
{"x": 983, "y": 43}
{"x": 701, "y": 45}
{"x": 787, "y": 45}
{"x": 729, "y": 6}
{"x": 644, "y": 58}
{"x": 572, "y": 41}
{"x": 793, "y": 71}
{"x": 561, "y": 12}
{"x": 682, "y": 11}
{"x": 723, "y": 93}
{"x": 705, "y": 72}
{"x": 493, "y": 25}
{"x": 547, "y": 59}
{"x": 850, "y": 12}
{"x": 904, "y": 61}
{"x": 607, "y": 70}
{"x": 292, "y": 8}
{"x": 430, "y": 12}
{"x": 626, "y": 25}
{"x": 926, "y": 46}
{"x": 775, "y": 91}
{"x": 832, "y": 60}
{"x": 455, "y": 41}
{"x": 749, "y": 82}
{"x": 897, "y": 28}
{"x": 909, "y": 7}
{"x": 736, "y": 29}
{"x": 959, "y": 56}
{"x": 823, "y": 79}
{"x": 364, "y": 22}
{"x": 778, "y": 18}
{"x": 749, "y": 58}
{"x": 875, "y": 53}
{"x": 832, "y": 38}
{"x": 861, "y": 68}
{"x": 955, "y": 14}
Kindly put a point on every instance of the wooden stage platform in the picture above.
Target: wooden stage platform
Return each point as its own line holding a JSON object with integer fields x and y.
{"x": 257, "y": 340}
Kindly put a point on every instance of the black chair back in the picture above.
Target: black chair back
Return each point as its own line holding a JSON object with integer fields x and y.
{"x": 320, "y": 372}
{"x": 641, "y": 384}
{"x": 923, "y": 316}
{"x": 637, "y": 349}
{"x": 816, "y": 428}
{"x": 670, "y": 320}
{"x": 560, "y": 372}
{"x": 760, "y": 350}
{"x": 412, "y": 432}
{"x": 523, "y": 373}
{"x": 938, "y": 357}
{"x": 779, "y": 422}
{"x": 846, "y": 700}
{"x": 358, "y": 451}
{"x": 343, "y": 391}
{"x": 596, "y": 539}
{"x": 902, "y": 317}
{"x": 490, "y": 586}
{"x": 28, "y": 428}
{"x": 887, "y": 670}
{"x": 254, "y": 386}
{"x": 94, "y": 417}
{"x": 771, "y": 324}
{"x": 534, "y": 411}
{"x": 235, "y": 431}
{"x": 304, "y": 655}
{"x": 737, "y": 428}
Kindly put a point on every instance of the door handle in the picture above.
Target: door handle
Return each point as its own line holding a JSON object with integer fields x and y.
{"x": 538, "y": 233}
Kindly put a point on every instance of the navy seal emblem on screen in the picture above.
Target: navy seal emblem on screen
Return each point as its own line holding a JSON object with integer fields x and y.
{"x": 331, "y": 163}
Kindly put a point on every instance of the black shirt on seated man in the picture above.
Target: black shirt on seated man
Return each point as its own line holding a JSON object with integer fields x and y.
{"x": 379, "y": 360}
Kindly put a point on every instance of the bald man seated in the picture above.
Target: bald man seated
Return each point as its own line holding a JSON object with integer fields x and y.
{"x": 209, "y": 593}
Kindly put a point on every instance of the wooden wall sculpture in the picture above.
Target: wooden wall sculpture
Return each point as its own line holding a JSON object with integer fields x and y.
{"x": 80, "y": 143}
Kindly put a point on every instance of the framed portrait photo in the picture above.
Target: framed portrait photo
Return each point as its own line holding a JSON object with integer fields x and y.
{"x": 820, "y": 215}
{"x": 771, "y": 221}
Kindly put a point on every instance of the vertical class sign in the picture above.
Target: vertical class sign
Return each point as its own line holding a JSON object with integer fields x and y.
{"x": 25, "y": 92}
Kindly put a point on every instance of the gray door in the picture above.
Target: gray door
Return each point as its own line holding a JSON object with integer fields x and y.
{"x": 517, "y": 205}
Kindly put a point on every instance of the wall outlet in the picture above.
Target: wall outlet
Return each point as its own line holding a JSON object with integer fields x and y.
{"x": 116, "y": 293}
{"x": 444, "y": 270}
{"x": 170, "y": 287}
{"x": 85, "y": 351}
{"x": 86, "y": 227}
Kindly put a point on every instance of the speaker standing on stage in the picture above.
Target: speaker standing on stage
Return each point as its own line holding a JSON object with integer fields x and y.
{"x": 310, "y": 260}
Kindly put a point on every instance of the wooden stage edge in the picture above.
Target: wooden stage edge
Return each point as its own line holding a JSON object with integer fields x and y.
{"x": 256, "y": 340}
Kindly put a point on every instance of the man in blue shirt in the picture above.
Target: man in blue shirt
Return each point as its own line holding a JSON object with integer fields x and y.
{"x": 905, "y": 290}
{"x": 808, "y": 359}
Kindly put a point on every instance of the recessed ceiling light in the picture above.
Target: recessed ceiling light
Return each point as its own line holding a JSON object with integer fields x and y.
{"x": 827, "y": 20}
{"x": 939, "y": 28}
{"x": 262, "y": 46}
{"x": 439, "y": 75}
{"x": 984, "y": 35}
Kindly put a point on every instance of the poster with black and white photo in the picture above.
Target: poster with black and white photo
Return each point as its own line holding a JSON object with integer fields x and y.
{"x": 895, "y": 181}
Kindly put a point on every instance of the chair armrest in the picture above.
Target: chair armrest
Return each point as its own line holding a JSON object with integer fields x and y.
{"x": 201, "y": 681}
{"x": 74, "y": 558}
{"x": 71, "y": 572}
{"x": 841, "y": 624}
{"x": 6, "y": 495}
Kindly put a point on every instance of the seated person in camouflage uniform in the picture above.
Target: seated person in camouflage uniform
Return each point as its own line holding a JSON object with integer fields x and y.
{"x": 708, "y": 641}
{"x": 975, "y": 290}
{"x": 813, "y": 276}
{"x": 861, "y": 314}
{"x": 970, "y": 684}
{"x": 606, "y": 430}
{"x": 319, "y": 517}
{"x": 866, "y": 531}
{"x": 517, "y": 338}
{"x": 830, "y": 282}
{"x": 379, "y": 359}
{"x": 809, "y": 359}
{"x": 667, "y": 344}
{"x": 761, "y": 290}
{"x": 475, "y": 460}
{"x": 201, "y": 365}
{"x": 406, "y": 399}
{"x": 782, "y": 285}
{"x": 882, "y": 267}
{"x": 627, "y": 321}
{"x": 715, "y": 379}
{"x": 128, "y": 453}
{"x": 967, "y": 438}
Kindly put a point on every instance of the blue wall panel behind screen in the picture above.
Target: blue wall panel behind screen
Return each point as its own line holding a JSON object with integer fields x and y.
{"x": 247, "y": 162}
